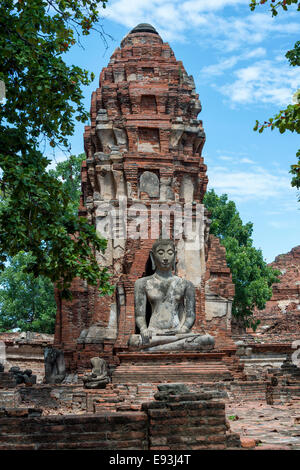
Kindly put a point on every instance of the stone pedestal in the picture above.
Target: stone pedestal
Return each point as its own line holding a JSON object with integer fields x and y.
{"x": 140, "y": 367}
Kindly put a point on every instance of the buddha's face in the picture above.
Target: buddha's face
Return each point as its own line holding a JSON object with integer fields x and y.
{"x": 164, "y": 256}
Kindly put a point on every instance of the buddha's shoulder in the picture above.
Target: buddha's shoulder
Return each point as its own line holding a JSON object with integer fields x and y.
{"x": 184, "y": 282}
{"x": 182, "y": 279}
{"x": 142, "y": 281}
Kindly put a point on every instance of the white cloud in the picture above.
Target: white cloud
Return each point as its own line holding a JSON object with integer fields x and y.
{"x": 226, "y": 158}
{"x": 255, "y": 53}
{"x": 236, "y": 160}
{"x": 227, "y": 26}
{"x": 255, "y": 184}
{"x": 262, "y": 82}
{"x": 230, "y": 62}
{"x": 218, "y": 69}
{"x": 198, "y": 6}
{"x": 247, "y": 160}
{"x": 180, "y": 19}
{"x": 167, "y": 18}
{"x": 278, "y": 224}
{"x": 236, "y": 31}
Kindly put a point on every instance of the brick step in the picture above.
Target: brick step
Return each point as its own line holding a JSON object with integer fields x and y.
{"x": 157, "y": 378}
{"x": 119, "y": 397}
{"x": 185, "y": 366}
{"x": 169, "y": 378}
{"x": 7, "y": 380}
{"x": 68, "y": 436}
{"x": 178, "y": 372}
{"x": 80, "y": 445}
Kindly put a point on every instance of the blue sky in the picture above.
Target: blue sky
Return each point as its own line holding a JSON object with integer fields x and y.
{"x": 237, "y": 60}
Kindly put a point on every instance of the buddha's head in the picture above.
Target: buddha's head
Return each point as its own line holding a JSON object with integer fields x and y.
{"x": 163, "y": 255}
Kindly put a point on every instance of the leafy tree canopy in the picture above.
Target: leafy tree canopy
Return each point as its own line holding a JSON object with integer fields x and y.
{"x": 289, "y": 118}
{"x": 251, "y": 275}
{"x": 27, "y": 302}
{"x": 43, "y": 96}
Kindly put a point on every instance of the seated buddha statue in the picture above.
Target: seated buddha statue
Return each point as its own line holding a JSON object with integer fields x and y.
{"x": 98, "y": 378}
{"x": 172, "y": 301}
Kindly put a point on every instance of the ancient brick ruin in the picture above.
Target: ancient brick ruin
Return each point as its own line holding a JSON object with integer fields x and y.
{"x": 143, "y": 147}
{"x": 26, "y": 351}
{"x": 281, "y": 315}
{"x": 144, "y": 143}
{"x": 175, "y": 421}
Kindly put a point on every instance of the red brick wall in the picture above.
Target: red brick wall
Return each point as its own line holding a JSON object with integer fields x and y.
{"x": 188, "y": 421}
{"x": 281, "y": 314}
{"x": 143, "y": 92}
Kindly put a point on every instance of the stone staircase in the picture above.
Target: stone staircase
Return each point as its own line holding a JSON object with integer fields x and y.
{"x": 168, "y": 369}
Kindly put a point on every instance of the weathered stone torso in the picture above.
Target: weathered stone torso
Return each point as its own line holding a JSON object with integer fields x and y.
{"x": 167, "y": 301}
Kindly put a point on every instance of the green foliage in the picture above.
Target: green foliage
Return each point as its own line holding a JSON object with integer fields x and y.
{"x": 43, "y": 95}
{"x": 275, "y": 5}
{"x": 69, "y": 172}
{"x": 233, "y": 418}
{"x": 289, "y": 118}
{"x": 293, "y": 55}
{"x": 295, "y": 170}
{"x": 36, "y": 215}
{"x": 26, "y": 302}
{"x": 251, "y": 275}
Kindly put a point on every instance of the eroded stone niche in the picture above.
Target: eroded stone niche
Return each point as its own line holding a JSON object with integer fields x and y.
{"x": 149, "y": 183}
{"x": 148, "y": 139}
{"x": 187, "y": 189}
{"x": 148, "y": 72}
{"x": 148, "y": 104}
